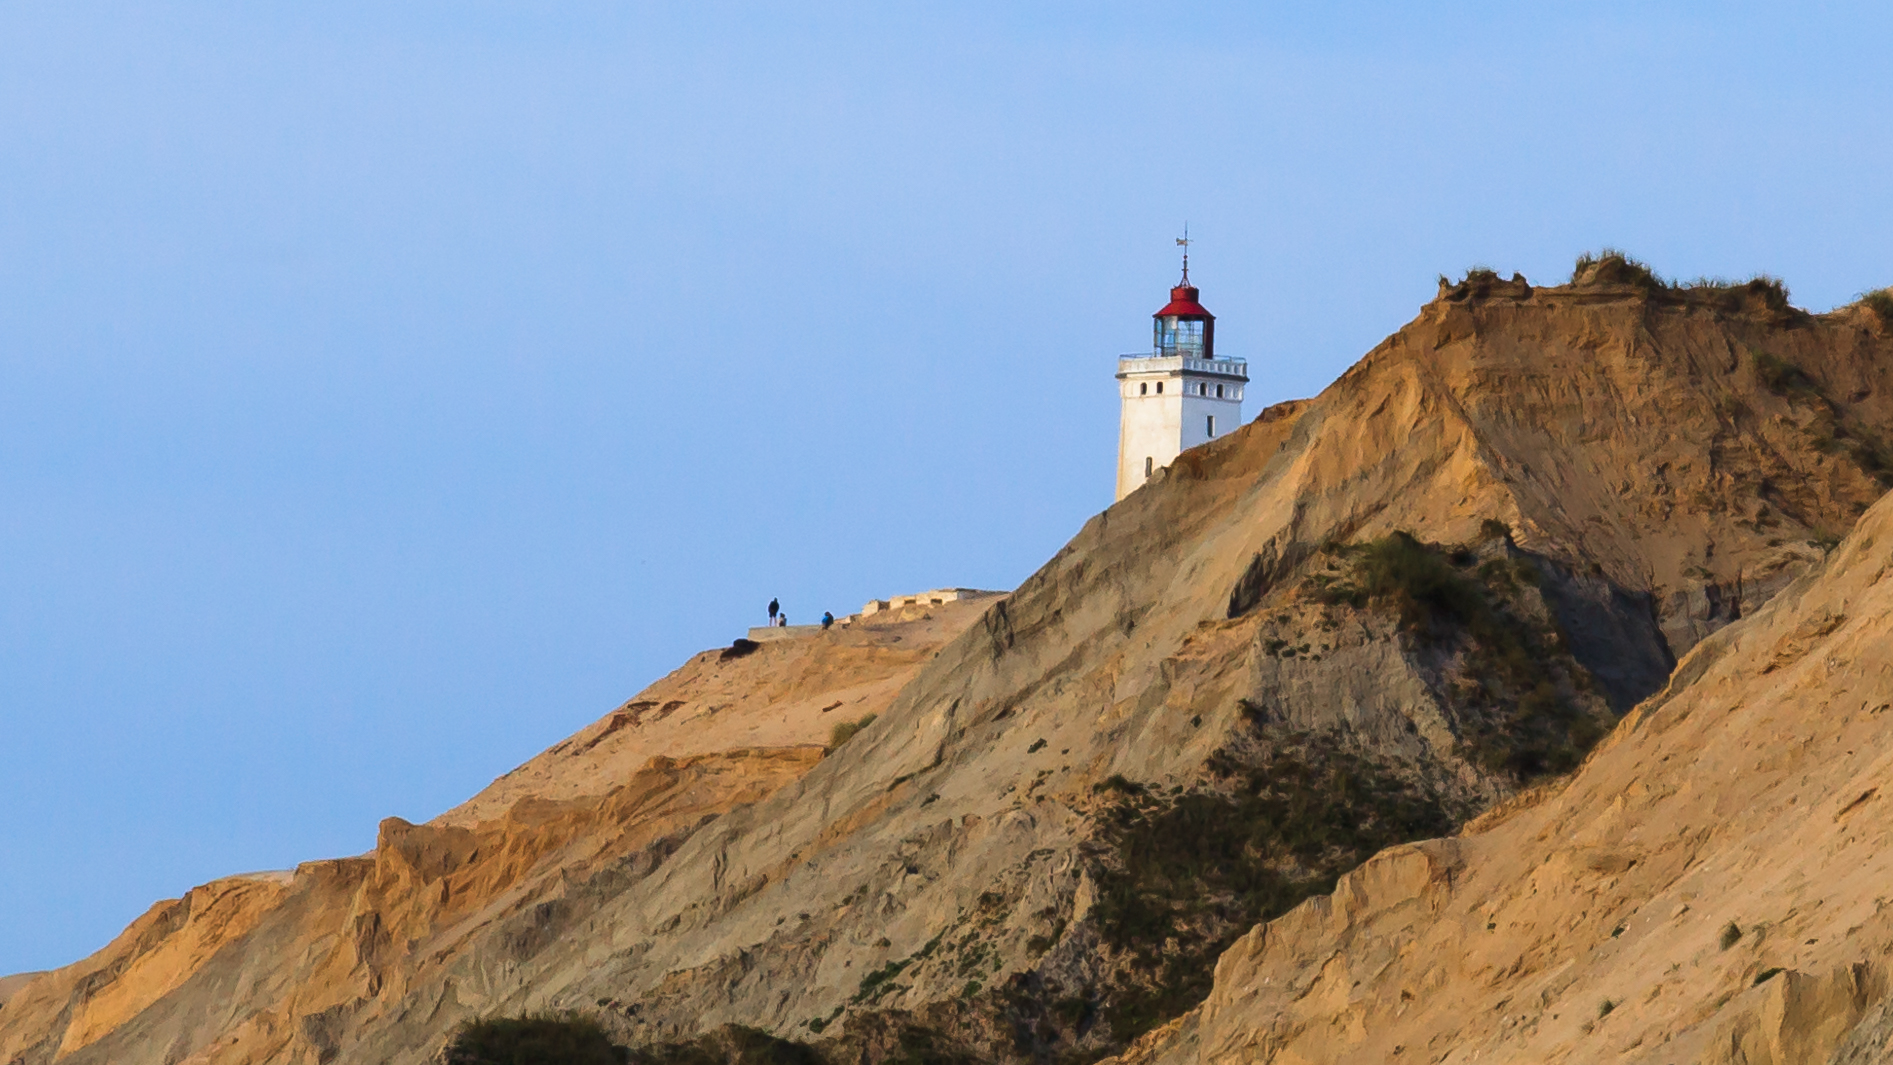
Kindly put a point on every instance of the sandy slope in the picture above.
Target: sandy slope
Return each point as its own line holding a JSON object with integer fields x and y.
{"x": 791, "y": 693}
{"x": 1585, "y": 922}
{"x": 1625, "y": 442}
{"x": 267, "y": 968}
{"x": 10, "y": 984}
{"x": 1662, "y": 471}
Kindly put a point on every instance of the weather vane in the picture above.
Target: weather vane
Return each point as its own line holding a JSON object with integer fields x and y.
{"x": 1184, "y": 243}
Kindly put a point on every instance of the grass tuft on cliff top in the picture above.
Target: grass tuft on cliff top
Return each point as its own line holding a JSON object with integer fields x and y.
{"x": 1880, "y": 302}
{"x": 1611, "y": 266}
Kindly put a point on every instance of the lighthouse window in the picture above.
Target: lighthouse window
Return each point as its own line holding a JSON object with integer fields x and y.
{"x": 1143, "y": 389}
{"x": 1160, "y": 388}
{"x": 1219, "y": 391}
{"x": 1179, "y": 336}
{"x": 1211, "y": 426}
{"x": 1148, "y": 464}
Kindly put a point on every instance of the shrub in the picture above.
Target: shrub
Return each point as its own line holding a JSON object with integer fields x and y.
{"x": 1830, "y": 432}
{"x": 1733, "y": 297}
{"x": 1731, "y": 934}
{"x": 894, "y": 1037}
{"x": 1881, "y": 304}
{"x": 544, "y": 1039}
{"x": 1191, "y": 874}
{"x": 1610, "y": 266}
{"x": 732, "y": 1044}
{"x": 1770, "y": 292}
{"x": 1762, "y": 293}
{"x": 1782, "y": 377}
{"x": 875, "y": 983}
{"x": 845, "y": 731}
{"x": 1604, "y": 1008}
{"x": 1494, "y": 529}
{"x": 1529, "y": 727}
{"x": 1418, "y": 582}
{"x": 738, "y": 649}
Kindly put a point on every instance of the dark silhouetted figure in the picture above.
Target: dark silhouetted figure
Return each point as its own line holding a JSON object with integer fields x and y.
{"x": 773, "y": 607}
{"x": 828, "y": 618}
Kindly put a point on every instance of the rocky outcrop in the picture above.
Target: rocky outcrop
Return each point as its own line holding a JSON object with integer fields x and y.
{"x": 1368, "y": 615}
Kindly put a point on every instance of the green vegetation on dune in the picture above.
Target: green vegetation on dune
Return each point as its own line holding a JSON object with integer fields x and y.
{"x": 1188, "y": 874}
{"x": 1880, "y": 302}
{"x": 1829, "y": 430}
{"x": 845, "y": 731}
{"x": 1415, "y": 580}
{"x": 542, "y": 1039}
{"x": 1610, "y": 266}
{"x": 733, "y": 1044}
{"x": 1517, "y": 685}
{"x": 1782, "y": 377}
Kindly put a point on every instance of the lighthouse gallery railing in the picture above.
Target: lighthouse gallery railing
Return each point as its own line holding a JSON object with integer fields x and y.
{"x": 1237, "y": 368}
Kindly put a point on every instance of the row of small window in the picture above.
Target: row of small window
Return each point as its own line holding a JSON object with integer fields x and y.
{"x": 1202, "y": 389}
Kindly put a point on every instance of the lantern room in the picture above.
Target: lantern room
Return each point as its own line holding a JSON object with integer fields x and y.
{"x": 1183, "y": 327}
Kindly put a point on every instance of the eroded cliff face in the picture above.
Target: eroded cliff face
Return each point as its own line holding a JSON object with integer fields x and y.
{"x": 1360, "y": 619}
{"x": 284, "y": 967}
{"x": 952, "y": 867}
{"x": 1710, "y": 887}
{"x": 278, "y": 967}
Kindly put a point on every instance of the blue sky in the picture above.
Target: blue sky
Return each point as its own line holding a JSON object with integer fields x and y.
{"x": 389, "y": 389}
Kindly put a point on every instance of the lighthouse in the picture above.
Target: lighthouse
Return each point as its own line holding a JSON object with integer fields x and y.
{"x": 1181, "y": 394}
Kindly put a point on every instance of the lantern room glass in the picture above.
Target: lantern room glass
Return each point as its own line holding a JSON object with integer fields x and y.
{"x": 1180, "y": 336}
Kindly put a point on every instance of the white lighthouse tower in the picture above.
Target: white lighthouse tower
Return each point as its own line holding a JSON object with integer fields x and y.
{"x": 1181, "y": 394}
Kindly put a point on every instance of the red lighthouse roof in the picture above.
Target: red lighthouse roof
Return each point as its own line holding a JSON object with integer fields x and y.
{"x": 1183, "y": 305}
